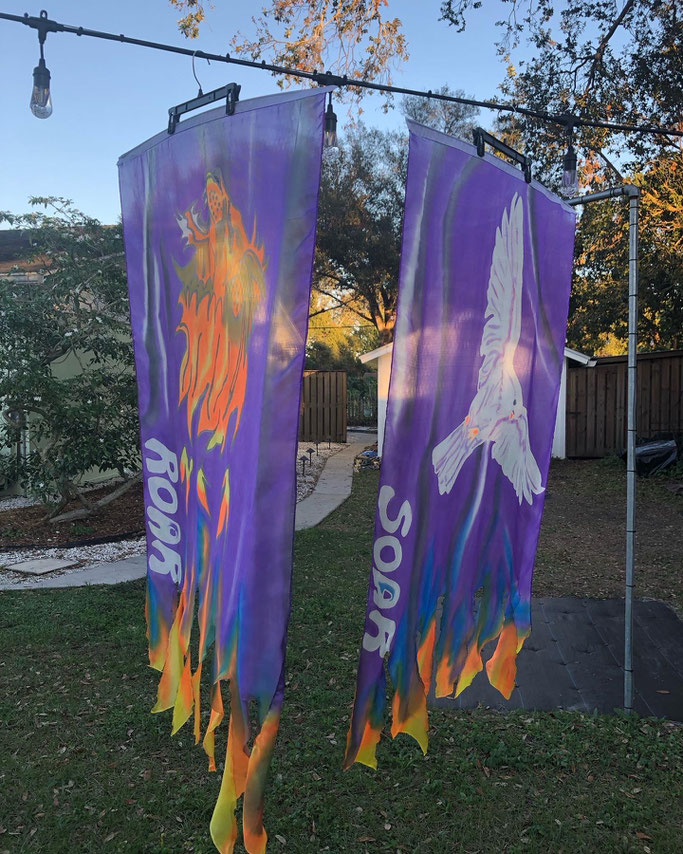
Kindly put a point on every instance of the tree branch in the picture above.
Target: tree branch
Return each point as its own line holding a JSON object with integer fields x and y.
{"x": 600, "y": 52}
{"x": 341, "y": 304}
{"x": 84, "y": 512}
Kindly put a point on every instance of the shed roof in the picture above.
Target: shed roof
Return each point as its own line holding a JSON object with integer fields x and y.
{"x": 385, "y": 349}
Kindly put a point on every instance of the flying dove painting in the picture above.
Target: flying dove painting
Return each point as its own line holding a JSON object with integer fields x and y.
{"x": 477, "y": 358}
{"x": 497, "y": 417}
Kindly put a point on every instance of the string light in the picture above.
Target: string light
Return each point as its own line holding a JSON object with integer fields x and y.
{"x": 41, "y": 98}
{"x": 43, "y": 25}
{"x": 570, "y": 175}
{"x": 330, "y": 127}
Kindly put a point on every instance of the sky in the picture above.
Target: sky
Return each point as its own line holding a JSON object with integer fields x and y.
{"x": 109, "y": 97}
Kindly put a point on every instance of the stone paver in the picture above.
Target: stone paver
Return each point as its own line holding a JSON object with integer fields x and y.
{"x": 40, "y": 566}
{"x": 115, "y": 572}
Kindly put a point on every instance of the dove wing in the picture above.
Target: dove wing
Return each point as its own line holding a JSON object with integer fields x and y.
{"x": 512, "y": 452}
{"x": 449, "y": 456}
{"x": 504, "y": 298}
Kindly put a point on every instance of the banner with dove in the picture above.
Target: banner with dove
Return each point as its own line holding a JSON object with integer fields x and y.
{"x": 219, "y": 225}
{"x": 477, "y": 359}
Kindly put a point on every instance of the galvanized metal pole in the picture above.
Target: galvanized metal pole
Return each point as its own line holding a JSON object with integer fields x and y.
{"x": 633, "y": 195}
{"x": 633, "y": 198}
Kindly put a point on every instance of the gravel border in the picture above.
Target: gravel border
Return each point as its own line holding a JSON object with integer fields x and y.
{"x": 108, "y": 552}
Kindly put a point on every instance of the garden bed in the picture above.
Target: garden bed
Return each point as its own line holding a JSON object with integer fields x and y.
{"x": 25, "y": 527}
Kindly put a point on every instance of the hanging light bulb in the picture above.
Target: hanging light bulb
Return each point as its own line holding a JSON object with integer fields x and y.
{"x": 41, "y": 99}
{"x": 330, "y": 127}
{"x": 570, "y": 176}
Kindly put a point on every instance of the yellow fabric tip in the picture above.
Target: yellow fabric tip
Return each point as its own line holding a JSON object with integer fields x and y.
{"x": 365, "y": 758}
{"x": 184, "y": 699}
{"x": 416, "y": 722}
{"x": 473, "y": 665}
{"x": 223, "y": 826}
{"x": 214, "y": 721}
{"x": 170, "y": 677}
{"x": 366, "y": 753}
{"x": 413, "y": 727}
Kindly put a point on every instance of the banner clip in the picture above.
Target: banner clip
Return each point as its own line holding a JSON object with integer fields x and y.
{"x": 231, "y": 93}
{"x": 482, "y": 138}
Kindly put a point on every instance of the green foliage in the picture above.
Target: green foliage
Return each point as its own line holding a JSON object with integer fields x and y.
{"x": 67, "y": 377}
{"x": 621, "y": 62}
{"x": 321, "y": 357}
{"x": 599, "y": 303}
{"x": 359, "y": 225}
{"x": 601, "y": 59}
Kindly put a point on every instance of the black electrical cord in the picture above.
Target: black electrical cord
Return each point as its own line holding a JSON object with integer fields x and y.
{"x": 45, "y": 25}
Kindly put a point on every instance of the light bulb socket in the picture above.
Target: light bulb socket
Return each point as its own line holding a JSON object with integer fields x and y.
{"x": 41, "y": 75}
{"x": 41, "y": 100}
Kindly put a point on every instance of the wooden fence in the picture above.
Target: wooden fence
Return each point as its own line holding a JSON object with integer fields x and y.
{"x": 596, "y": 402}
{"x": 323, "y": 407}
{"x": 361, "y": 409}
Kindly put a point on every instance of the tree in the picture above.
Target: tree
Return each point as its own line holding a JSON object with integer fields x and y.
{"x": 67, "y": 378}
{"x": 599, "y": 59}
{"x": 359, "y": 226}
{"x": 447, "y": 116}
{"x": 622, "y": 62}
{"x": 339, "y": 326}
{"x": 360, "y": 217}
{"x": 352, "y": 37}
{"x": 599, "y": 303}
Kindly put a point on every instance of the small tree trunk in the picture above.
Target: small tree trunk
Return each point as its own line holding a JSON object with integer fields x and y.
{"x": 91, "y": 508}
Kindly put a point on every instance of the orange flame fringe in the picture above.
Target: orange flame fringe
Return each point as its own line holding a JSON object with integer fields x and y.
{"x": 409, "y": 713}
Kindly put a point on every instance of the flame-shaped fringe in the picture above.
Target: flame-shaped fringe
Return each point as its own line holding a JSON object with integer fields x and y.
{"x": 409, "y": 707}
{"x": 245, "y": 772}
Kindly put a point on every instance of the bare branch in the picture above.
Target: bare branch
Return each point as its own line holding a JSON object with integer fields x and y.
{"x": 84, "y": 512}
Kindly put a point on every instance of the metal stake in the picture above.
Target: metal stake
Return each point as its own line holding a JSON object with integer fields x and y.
{"x": 633, "y": 194}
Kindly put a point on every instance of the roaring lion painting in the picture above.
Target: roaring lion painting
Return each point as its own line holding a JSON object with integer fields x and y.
{"x": 223, "y": 285}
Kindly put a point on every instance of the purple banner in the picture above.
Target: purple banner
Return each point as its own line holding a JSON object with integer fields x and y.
{"x": 477, "y": 359}
{"x": 219, "y": 225}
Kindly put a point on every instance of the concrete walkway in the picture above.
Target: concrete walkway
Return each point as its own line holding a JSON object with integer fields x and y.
{"x": 332, "y": 489}
{"x": 334, "y": 484}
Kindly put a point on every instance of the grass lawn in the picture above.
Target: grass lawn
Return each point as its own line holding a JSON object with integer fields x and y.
{"x": 85, "y": 768}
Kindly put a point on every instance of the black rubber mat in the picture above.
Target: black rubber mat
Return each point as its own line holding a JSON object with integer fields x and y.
{"x": 574, "y": 659}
